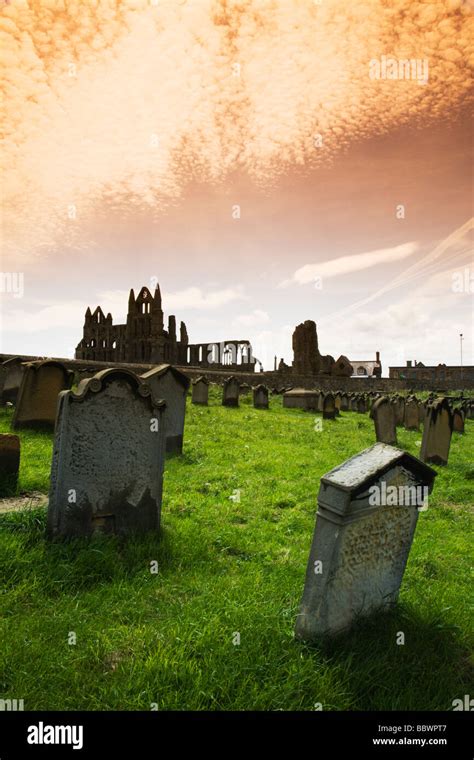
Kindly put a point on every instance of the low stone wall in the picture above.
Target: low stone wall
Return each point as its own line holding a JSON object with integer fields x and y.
{"x": 84, "y": 368}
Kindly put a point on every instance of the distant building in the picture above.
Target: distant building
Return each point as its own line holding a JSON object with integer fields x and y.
{"x": 367, "y": 367}
{"x": 436, "y": 375}
{"x": 143, "y": 339}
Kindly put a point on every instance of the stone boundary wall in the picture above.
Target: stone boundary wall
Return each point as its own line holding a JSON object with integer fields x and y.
{"x": 84, "y": 368}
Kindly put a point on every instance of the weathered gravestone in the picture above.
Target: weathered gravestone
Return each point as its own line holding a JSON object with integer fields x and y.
{"x": 344, "y": 403}
{"x": 38, "y": 395}
{"x": 458, "y": 420}
{"x": 9, "y": 463}
{"x": 362, "y": 404}
{"x": 399, "y": 405}
{"x": 421, "y": 411}
{"x": 171, "y": 385}
{"x": 353, "y": 403}
{"x": 383, "y": 415}
{"x": 231, "y": 392}
{"x": 366, "y": 519}
{"x": 11, "y": 373}
{"x": 329, "y": 407}
{"x": 300, "y": 398}
{"x": 437, "y": 431}
{"x": 260, "y": 397}
{"x": 337, "y": 403}
{"x": 412, "y": 414}
{"x": 200, "y": 391}
{"x": 107, "y": 466}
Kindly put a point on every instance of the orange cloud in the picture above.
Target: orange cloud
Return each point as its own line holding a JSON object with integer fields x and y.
{"x": 120, "y": 105}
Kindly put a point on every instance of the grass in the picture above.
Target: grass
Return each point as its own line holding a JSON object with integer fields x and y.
{"x": 228, "y": 567}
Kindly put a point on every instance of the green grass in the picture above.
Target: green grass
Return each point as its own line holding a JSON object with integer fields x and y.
{"x": 227, "y": 567}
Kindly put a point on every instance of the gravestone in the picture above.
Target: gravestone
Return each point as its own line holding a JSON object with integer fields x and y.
{"x": 383, "y": 415}
{"x": 300, "y": 398}
{"x": 412, "y": 415}
{"x": 200, "y": 391}
{"x": 231, "y": 392}
{"x": 366, "y": 519}
{"x": 437, "y": 432}
{"x": 338, "y": 402}
{"x": 107, "y": 466}
{"x": 320, "y": 401}
{"x": 171, "y": 385}
{"x": 353, "y": 403}
{"x": 11, "y": 373}
{"x": 458, "y": 420}
{"x": 344, "y": 403}
{"x": 361, "y": 405}
{"x": 421, "y": 411}
{"x": 329, "y": 407}
{"x": 260, "y": 397}
{"x": 38, "y": 395}
{"x": 245, "y": 389}
{"x": 9, "y": 463}
{"x": 399, "y": 403}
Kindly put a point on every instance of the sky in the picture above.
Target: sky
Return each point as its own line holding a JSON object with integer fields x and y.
{"x": 267, "y": 161}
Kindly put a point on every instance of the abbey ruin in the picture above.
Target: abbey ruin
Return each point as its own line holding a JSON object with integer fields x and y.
{"x": 307, "y": 359}
{"x": 143, "y": 339}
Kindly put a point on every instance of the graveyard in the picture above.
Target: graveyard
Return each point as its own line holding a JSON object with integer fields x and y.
{"x": 200, "y": 614}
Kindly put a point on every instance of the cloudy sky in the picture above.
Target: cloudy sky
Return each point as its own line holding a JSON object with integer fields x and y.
{"x": 268, "y": 161}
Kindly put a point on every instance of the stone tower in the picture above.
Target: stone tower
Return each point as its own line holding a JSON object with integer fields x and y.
{"x": 144, "y": 331}
{"x": 306, "y": 356}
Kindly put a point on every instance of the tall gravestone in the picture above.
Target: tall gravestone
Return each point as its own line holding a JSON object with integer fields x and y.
{"x": 399, "y": 403}
{"x": 9, "y": 463}
{"x": 458, "y": 420}
{"x": 329, "y": 407}
{"x": 362, "y": 404}
{"x": 366, "y": 519}
{"x": 260, "y": 397}
{"x": 107, "y": 466}
{"x": 11, "y": 373}
{"x": 412, "y": 414}
{"x": 437, "y": 431}
{"x": 200, "y": 391}
{"x": 38, "y": 395}
{"x": 344, "y": 402}
{"x": 231, "y": 392}
{"x": 171, "y": 385}
{"x": 383, "y": 415}
{"x": 421, "y": 411}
